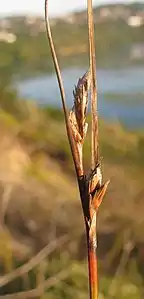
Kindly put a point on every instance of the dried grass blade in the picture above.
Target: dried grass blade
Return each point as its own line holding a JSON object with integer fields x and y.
{"x": 61, "y": 87}
{"x": 94, "y": 137}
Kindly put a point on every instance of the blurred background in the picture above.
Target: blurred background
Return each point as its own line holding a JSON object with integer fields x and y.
{"x": 39, "y": 200}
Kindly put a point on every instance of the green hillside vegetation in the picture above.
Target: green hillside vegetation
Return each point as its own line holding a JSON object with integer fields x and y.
{"x": 39, "y": 200}
{"x": 30, "y": 53}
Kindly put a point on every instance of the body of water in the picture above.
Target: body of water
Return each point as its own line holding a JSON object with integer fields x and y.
{"x": 128, "y": 84}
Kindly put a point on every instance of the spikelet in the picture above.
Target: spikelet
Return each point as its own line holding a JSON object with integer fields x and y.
{"x": 77, "y": 115}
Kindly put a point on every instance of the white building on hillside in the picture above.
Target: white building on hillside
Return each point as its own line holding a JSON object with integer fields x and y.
{"x": 135, "y": 21}
{"x": 7, "y": 37}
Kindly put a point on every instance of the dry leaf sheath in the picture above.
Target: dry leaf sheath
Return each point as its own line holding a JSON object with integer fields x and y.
{"x": 91, "y": 188}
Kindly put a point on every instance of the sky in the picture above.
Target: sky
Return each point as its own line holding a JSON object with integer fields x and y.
{"x": 56, "y": 7}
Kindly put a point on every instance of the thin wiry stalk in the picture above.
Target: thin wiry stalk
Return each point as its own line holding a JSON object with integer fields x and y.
{"x": 35, "y": 261}
{"x": 94, "y": 146}
{"x": 61, "y": 86}
{"x": 38, "y": 291}
{"x": 90, "y": 184}
{"x": 92, "y": 239}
